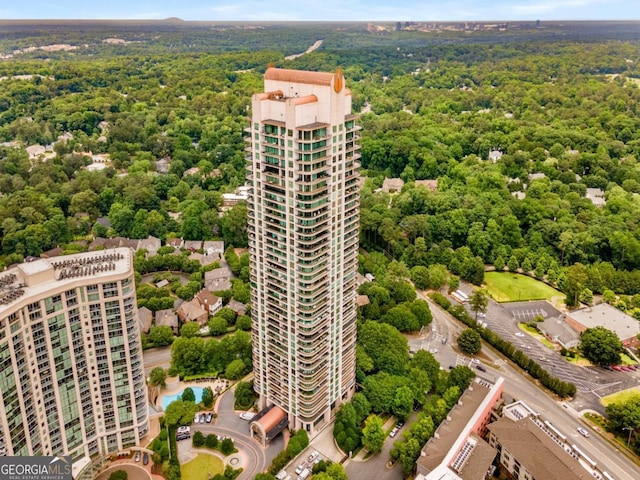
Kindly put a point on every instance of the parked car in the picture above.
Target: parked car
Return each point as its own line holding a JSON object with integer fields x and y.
{"x": 399, "y": 424}
{"x": 196, "y": 418}
{"x": 519, "y": 334}
{"x": 247, "y": 415}
{"x": 203, "y": 418}
{"x": 583, "y": 432}
{"x": 313, "y": 456}
{"x": 481, "y": 368}
{"x": 209, "y": 417}
{"x": 300, "y": 468}
{"x": 482, "y": 315}
{"x": 304, "y": 474}
{"x": 393, "y": 432}
{"x": 137, "y": 456}
{"x": 145, "y": 459}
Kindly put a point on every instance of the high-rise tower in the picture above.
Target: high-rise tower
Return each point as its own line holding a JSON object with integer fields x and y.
{"x": 71, "y": 375}
{"x": 303, "y": 240}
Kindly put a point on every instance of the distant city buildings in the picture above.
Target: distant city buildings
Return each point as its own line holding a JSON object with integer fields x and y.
{"x": 71, "y": 375}
{"x": 303, "y": 239}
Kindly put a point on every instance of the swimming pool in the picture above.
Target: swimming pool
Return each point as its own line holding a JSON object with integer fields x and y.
{"x": 167, "y": 399}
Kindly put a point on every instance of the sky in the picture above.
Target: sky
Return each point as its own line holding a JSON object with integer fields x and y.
{"x": 329, "y": 10}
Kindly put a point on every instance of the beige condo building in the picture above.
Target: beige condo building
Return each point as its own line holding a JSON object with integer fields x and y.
{"x": 303, "y": 240}
{"x": 71, "y": 374}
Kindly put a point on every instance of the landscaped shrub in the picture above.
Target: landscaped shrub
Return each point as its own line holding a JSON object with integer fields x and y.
{"x": 198, "y": 439}
{"x": 226, "y": 446}
{"x": 211, "y": 441}
{"x": 297, "y": 444}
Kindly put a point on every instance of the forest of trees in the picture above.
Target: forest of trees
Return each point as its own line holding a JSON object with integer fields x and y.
{"x": 514, "y": 126}
{"x": 566, "y": 110}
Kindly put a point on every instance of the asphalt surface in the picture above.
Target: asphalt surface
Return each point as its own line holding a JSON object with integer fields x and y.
{"x": 156, "y": 357}
{"x": 591, "y": 382}
{"x": 228, "y": 423}
{"x": 565, "y": 416}
{"x": 439, "y": 338}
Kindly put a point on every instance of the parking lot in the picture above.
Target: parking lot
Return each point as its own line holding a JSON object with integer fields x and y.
{"x": 504, "y": 318}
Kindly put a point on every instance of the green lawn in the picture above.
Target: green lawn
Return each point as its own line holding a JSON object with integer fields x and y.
{"x": 202, "y": 467}
{"x": 622, "y": 395}
{"x": 513, "y": 287}
{"x": 535, "y": 334}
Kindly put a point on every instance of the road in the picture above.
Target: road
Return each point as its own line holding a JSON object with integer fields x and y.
{"x": 567, "y": 420}
{"x": 156, "y": 357}
{"x": 228, "y": 423}
{"x": 561, "y": 414}
{"x": 591, "y": 383}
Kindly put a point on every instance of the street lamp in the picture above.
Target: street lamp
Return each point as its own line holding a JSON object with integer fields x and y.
{"x": 629, "y": 439}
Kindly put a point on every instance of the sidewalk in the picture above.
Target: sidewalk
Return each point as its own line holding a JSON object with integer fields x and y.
{"x": 326, "y": 445}
{"x": 360, "y": 457}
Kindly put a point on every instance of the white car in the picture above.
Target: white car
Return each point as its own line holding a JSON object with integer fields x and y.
{"x": 433, "y": 350}
{"x": 482, "y": 315}
{"x": 583, "y": 432}
{"x": 520, "y": 334}
{"x": 475, "y": 360}
{"x": 247, "y": 415}
{"x": 196, "y": 418}
{"x": 313, "y": 456}
{"x": 300, "y": 468}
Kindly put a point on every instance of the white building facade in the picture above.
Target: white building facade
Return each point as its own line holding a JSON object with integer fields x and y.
{"x": 71, "y": 375}
{"x": 303, "y": 240}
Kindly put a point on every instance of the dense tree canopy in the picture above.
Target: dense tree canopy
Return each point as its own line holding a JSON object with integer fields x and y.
{"x": 469, "y": 341}
{"x": 601, "y": 346}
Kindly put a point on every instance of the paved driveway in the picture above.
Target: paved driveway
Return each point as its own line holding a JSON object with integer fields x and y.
{"x": 252, "y": 456}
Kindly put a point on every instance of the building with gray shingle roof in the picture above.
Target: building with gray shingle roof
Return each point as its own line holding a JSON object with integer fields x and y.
{"x": 604, "y": 315}
{"x": 145, "y": 319}
{"x": 167, "y": 318}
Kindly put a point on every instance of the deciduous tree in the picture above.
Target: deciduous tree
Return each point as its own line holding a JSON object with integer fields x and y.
{"x": 373, "y": 435}
{"x": 601, "y": 346}
{"x": 469, "y": 341}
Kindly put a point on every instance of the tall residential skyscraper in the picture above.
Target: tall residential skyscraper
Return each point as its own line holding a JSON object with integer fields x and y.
{"x": 303, "y": 240}
{"x": 71, "y": 375}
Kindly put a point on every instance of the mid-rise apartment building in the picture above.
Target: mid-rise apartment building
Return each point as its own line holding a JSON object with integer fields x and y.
{"x": 303, "y": 239}
{"x": 71, "y": 375}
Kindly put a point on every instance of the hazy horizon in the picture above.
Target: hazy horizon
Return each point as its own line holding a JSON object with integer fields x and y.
{"x": 329, "y": 10}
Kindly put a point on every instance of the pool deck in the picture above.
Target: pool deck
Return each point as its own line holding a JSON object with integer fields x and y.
{"x": 218, "y": 386}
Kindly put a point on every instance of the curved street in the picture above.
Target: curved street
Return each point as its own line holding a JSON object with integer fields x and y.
{"x": 438, "y": 338}
{"x": 254, "y": 459}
